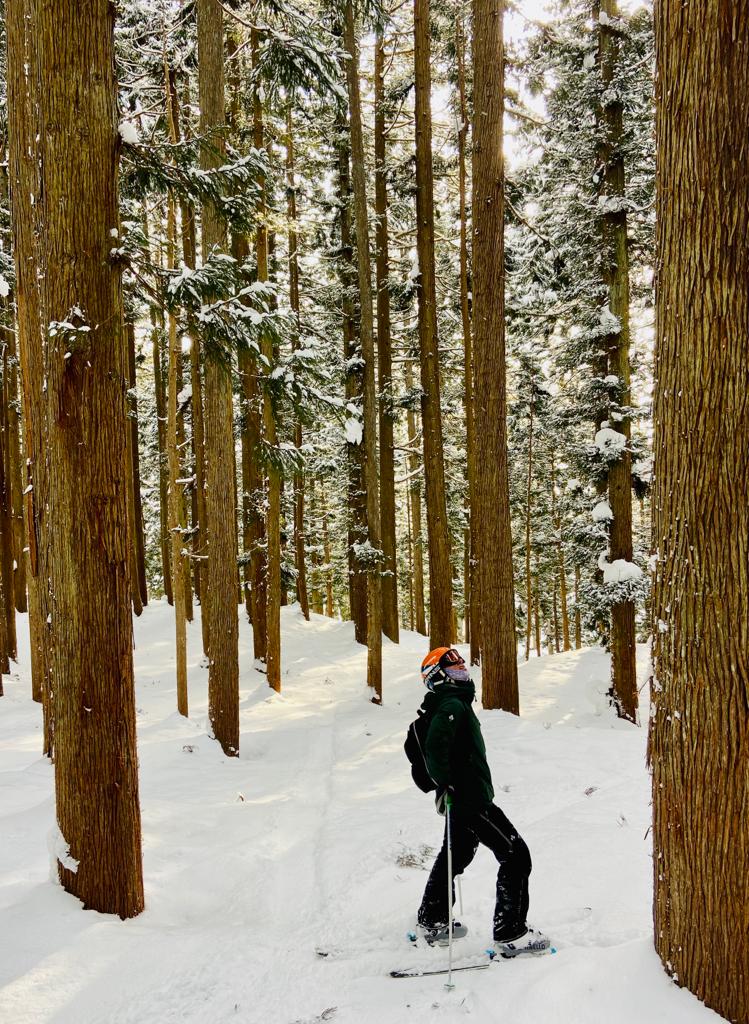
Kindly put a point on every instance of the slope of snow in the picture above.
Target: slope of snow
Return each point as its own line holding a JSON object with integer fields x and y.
{"x": 315, "y": 837}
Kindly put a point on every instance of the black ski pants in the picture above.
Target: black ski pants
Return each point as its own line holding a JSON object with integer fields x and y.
{"x": 492, "y": 828}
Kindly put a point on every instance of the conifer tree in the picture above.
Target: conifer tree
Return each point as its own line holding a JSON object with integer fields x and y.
{"x": 699, "y": 727}
{"x": 99, "y": 856}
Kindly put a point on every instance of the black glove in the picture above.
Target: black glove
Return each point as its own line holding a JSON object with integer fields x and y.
{"x": 444, "y": 794}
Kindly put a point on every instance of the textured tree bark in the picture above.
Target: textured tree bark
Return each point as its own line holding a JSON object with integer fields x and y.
{"x": 176, "y": 525}
{"x": 221, "y": 576}
{"x": 315, "y": 591}
{"x": 557, "y": 521}
{"x": 300, "y": 558}
{"x": 157, "y": 344}
{"x": 414, "y": 500}
{"x": 615, "y": 267}
{"x": 198, "y": 525}
{"x": 139, "y": 535}
{"x": 384, "y": 355}
{"x": 95, "y": 751}
{"x": 273, "y": 476}
{"x": 357, "y": 520}
{"x": 699, "y": 726}
{"x": 492, "y": 511}
{"x": 23, "y": 179}
{"x": 440, "y": 572}
{"x": 472, "y": 616}
{"x": 6, "y": 521}
{"x": 369, "y": 441}
{"x": 578, "y": 622}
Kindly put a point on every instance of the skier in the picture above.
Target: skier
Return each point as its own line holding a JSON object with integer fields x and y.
{"x": 456, "y": 761}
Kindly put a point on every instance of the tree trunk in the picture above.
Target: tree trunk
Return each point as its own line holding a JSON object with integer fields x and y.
{"x": 384, "y": 355}
{"x": 157, "y": 342}
{"x": 492, "y": 511}
{"x": 176, "y": 525}
{"x": 615, "y": 264}
{"x": 221, "y": 577}
{"x": 273, "y": 517}
{"x": 472, "y": 616}
{"x": 369, "y": 441}
{"x": 139, "y": 535}
{"x": 440, "y": 572}
{"x": 8, "y": 610}
{"x": 699, "y": 725}
{"x": 300, "y": 559}
{"x": 24, "y": 150}
{"x": 357, "y": 519}
{"x": 578, "y": 623}
{"x": 81, "y": 300}
{"x": 414, "y": 498}
{"x": 557, "y": 523}
{"x": 198, "y": 525}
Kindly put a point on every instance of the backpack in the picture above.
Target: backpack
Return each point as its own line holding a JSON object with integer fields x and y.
{"x": 415, "y": 747}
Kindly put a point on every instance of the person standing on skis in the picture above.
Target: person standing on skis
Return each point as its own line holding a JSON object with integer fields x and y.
{"x": 455, "y": 757}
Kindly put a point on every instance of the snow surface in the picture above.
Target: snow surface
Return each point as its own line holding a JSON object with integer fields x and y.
{"x": 602, "y": 513}
{"x": 316, "y": 837}
{"x": 618, "y": 571}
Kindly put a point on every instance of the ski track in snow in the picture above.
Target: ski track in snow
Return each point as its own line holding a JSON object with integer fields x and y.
{"x": 315, "y": 837}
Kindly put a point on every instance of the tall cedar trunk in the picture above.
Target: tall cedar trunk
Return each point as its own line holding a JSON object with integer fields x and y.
{"x": 157, "y": 346}
{"x": 23, "y": 153}
{"x": 409, "y": 538}
{"x": 615, "y": 263}
{"x": 557, "y": 524}
{"x": 326, "y": 556}
{"x": 537, "y": 613}
{"x": 315, "y": 592}
{"x": 528, "y": 520}
{"x": 440, "y": 573}
{"x": 699, "y": 726}
{"x": 384, "y": 355}
{"x": 414, "y": 500}
{"x": 129, "y": 485}
{"x": 578, "y": 620}
{"x": 221, "y": 575}
{"x": 357, "y": 525}
{"x": 273, "y": 516}
{"x": 176, "y": 525}
{"x": 95, "y": 750}
{"x": 139, "y": 532}
{"x": 13, "y": 439}
{"x": 173, "y": 118}
{"x": 300, "y": 558}
{"x": 472, "y": 616}
{"x": 492, "y": 512}
{"x": 369, "y": 442}
{"x": 6, "y": 521}
{"x": 198, "y": 528}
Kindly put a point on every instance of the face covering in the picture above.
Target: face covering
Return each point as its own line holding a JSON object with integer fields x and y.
{"x": 458, "y": 673}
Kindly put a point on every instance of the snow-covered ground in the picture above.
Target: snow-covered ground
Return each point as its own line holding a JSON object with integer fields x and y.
{"x": 315, "y": 838}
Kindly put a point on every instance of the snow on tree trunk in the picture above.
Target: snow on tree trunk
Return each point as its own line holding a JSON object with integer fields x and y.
{"x": 615, "y": 264}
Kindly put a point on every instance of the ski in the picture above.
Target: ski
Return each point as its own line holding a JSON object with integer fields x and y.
{"x": 424, "y": 972}
{"x": 490, "y": 957}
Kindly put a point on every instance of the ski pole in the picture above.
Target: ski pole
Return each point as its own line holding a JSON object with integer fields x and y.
{"x": 448, "y": 805}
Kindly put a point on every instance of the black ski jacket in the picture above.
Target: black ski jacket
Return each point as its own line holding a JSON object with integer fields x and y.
{"x": 455, "y": 751}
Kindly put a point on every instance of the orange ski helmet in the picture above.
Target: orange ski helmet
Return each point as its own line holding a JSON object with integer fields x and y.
{"x": 434, "y": 665}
